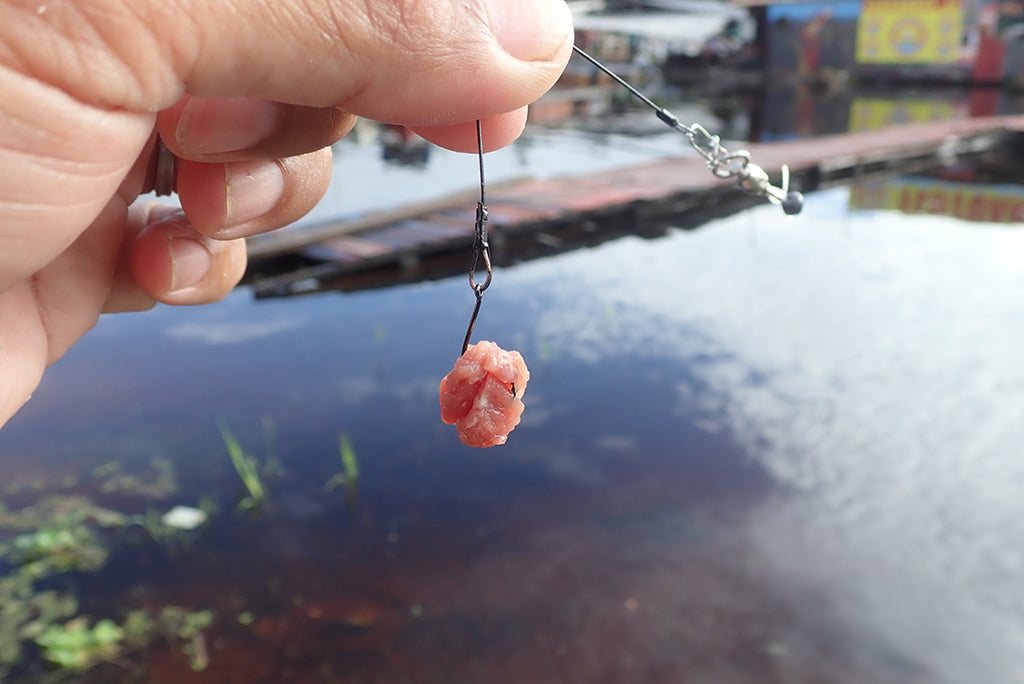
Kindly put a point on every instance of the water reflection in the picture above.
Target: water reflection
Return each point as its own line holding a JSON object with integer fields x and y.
{"x": 766, "y": 450}
{"x": 871, "y": 370}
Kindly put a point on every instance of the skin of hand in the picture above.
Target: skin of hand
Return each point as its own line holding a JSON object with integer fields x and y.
{"x": 249, "y": 96}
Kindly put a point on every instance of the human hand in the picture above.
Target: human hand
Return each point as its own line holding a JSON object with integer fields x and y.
{"x": 249, "y": 95}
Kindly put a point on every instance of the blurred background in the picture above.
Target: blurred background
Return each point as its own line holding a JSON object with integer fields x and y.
{"x": 756, "y": 448}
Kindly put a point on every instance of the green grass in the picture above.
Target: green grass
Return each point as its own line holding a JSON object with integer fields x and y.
{"x": 349, "y": 478}
{"x": 348, "y": 457}
{"x": 247, "y": 469}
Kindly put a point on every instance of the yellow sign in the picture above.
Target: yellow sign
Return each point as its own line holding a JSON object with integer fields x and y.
{"x": 870, "y": 114}
{"x": 909, "y": 32}
{"x": 965, "y": 201}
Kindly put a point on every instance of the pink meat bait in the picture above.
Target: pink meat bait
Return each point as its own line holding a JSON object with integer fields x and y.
{"x": 482, "y": 395}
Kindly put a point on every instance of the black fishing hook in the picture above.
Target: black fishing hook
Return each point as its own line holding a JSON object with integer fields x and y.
{"x": 481, "y": 248}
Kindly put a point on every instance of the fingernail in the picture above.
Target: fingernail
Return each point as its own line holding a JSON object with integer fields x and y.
{"x": 190, "y": 262}
{"x": 531, "y": 30}
{"x": 253, "y": 190}
{"x": 224, "y": 124}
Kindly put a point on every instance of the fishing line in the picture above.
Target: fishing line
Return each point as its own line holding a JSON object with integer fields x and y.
{"x": 722, "y": 163}
{"x": 481, "y": 248}
{"x": 481, "y": 395}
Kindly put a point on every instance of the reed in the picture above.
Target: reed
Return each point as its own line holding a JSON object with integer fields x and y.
{"x": 348, "y": 458}
{"x": 349, "y": 477}
{"x": 247, "y": 469}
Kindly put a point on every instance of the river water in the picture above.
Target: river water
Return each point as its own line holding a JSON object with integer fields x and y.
{"x": 770, "y": 449}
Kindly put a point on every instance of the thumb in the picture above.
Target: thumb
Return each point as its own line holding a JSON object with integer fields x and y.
{"x": 81, "y": 81}
{"x": 417, "y": 62}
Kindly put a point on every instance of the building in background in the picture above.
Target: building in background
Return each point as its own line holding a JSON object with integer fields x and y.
{"x": 945, "y": 41}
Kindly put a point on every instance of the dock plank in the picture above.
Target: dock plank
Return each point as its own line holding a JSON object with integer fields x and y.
{"x": 648, "y": 192}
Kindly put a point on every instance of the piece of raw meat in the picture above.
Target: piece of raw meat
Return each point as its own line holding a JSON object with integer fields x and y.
{"x": 482, "y": 395}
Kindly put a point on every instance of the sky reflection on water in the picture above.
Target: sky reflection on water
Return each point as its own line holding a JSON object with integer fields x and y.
{"x": 870, "y": 363}
{"x": 768, "y": 450}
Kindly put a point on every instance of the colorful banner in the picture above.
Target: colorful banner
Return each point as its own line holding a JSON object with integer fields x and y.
{"x": 871, "y": 114}
{"x": 910, "y": 32}
{"x": 965, "y": 201}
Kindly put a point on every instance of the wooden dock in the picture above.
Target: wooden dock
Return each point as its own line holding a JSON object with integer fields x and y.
{"x": 530, "y": 218}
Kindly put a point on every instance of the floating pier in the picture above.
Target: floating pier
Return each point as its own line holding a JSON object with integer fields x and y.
{"x": 530, "y": 218}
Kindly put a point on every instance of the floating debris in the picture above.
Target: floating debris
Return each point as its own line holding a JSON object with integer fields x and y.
{"x": 184, "y": 518}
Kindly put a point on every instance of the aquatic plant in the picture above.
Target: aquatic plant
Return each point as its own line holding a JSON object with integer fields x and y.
{"x": 349, "y": 477}
{"x": 25, "y": 613}
{"x": 58, "y": 534}
{"x": 187, "y": 627}
{"x": 62, "y": 511}
{"x": 77, "y": 646}
{"x": 348, "y": 457}
{"x": 158, "y": 484}
{"x": 53, "y": 536}
{"x": 380, "y": 334}
{"x": 247, "y": 468}
{"x": 272, "y": 465}
{"x": 63, "y": 533}
{"x": 56, "y": 549}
